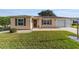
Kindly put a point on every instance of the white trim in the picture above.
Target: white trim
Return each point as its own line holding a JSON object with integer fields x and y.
{"x": 31, "y": 25}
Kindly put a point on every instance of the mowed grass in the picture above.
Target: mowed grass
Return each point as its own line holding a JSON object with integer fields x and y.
{"x": 38, "y": 40}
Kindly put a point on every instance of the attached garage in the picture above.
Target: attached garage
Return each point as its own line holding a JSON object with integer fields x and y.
{"x": 60, "y": 23}
{"x": 69, "y": 22}
{"x": 63, "y": 22}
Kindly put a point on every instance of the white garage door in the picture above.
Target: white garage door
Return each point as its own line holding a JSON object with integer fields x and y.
{"x": 64, "y": 22}
{"x": 59, "y": 23}
{"x": 69, "y": 22}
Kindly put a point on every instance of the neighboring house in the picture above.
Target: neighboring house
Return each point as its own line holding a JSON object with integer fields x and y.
{"x": 31, "y": 22}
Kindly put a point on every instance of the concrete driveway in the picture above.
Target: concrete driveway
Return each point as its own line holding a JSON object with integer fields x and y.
{"x": 74, "y": 30}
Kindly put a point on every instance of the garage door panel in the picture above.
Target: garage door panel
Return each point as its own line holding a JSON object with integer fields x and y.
{"x": 59, "y": 23}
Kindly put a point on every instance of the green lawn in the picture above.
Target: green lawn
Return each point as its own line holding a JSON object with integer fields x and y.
{"x": 38, "y": 40}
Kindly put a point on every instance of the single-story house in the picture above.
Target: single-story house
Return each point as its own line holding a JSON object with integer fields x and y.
{"x": 25, "y": 22}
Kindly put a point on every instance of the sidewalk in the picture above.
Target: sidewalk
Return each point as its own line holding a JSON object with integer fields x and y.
{"x": 4, "y": 31}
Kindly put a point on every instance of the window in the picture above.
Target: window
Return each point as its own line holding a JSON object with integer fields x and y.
{"x": 46, "y": 22}
{"x": 20, "y": 21}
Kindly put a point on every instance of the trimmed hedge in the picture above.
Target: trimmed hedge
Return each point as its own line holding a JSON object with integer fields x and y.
{"x": 74, "y": 24}
{"x": 13, "y": 30}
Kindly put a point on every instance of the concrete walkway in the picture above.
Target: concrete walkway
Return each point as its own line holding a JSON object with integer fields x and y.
{"x": 19, "y": 31}
{"x": 24, "y": 31}
{"x": 74, "y": 30}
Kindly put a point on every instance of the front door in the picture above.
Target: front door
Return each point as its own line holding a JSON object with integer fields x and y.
{"x": 35, "y": 23}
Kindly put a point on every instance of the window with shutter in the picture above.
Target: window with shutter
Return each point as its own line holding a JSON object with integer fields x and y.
{"x": 46, "y": 22}
{"x": 21, "y": 21}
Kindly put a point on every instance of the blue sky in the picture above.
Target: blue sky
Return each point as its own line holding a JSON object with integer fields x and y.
{"x": 34, "y": 12}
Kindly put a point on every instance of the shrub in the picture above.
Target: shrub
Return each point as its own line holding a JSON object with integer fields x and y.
{"x": 13, "y": 30}
{"x": 74, "y": 24}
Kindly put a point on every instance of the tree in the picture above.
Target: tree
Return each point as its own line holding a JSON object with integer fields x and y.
{"x": 46, "y": 13}
{"x": 4, "y": 21}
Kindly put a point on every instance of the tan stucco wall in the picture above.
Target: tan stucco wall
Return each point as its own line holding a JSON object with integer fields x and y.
{"x": 39, "y": 23}
{"x": 21, "y": 27}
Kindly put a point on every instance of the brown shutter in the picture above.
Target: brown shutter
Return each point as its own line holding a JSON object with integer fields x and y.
{"x": 24, "y": 21}
{"x": 15, "y": 22}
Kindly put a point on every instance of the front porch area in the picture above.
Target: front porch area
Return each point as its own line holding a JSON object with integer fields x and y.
{"x": 43, "y": 23}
